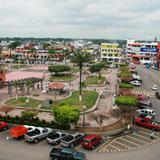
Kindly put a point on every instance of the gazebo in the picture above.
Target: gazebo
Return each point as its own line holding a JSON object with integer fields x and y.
{"x": 56, "y": 88}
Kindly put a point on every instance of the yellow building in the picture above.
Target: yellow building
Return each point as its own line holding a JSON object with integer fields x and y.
{"x": 111, "y": 52}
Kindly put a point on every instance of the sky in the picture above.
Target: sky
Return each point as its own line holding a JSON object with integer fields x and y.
{"x": 111, "y": 19}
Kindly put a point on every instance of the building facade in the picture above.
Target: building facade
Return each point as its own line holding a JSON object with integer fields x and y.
{"x": 110, "y": 52}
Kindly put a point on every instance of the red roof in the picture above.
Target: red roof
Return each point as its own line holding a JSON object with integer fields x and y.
{"x": 56, "y": 86}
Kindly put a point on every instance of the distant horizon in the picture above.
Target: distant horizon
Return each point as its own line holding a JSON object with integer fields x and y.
{"x": 89, "y": 19}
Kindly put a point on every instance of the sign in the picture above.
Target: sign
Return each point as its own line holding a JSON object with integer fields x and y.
{"x": 149, "y": 50}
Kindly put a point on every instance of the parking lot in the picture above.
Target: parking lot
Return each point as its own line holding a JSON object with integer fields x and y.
{"x": 138, "y": 139}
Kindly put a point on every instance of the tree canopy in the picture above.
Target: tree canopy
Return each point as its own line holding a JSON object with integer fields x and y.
{"x": 66, "y": 115}
{"x": 58, "y": 68}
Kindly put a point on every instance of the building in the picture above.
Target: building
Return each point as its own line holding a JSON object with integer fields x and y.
{"x": 2, "y": 76}
{"x": 110, "y": 52}
{"x": 142, "y": 51}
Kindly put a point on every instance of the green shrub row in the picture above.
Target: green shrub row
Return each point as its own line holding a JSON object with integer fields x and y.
{"x": 127, "y": 100}
{"x": 34, "y": 122}
{"x": 125, "y": 85}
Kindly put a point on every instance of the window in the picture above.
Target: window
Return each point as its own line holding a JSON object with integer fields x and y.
{"x": 110, "y": 55}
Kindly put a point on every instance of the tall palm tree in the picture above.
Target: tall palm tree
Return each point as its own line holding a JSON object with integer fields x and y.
{"x": 80, "y": 58}
{"x": 34, "y": 52}
{"x": 16, "y": 84}
{"x": 66, "y": 53}
{"x": 29, "y": 85}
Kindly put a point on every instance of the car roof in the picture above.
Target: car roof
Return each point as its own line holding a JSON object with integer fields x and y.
{"x": 91, "y": 136}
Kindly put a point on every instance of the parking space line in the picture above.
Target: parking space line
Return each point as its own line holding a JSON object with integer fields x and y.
{"x": 104, "y": 150}
{"x": 142, "y": 136}
{"x": 123, "y": 145}
{"x": 130, "y": 142}
{"x": 147, "y": 134}
{"x": 103, "y": 145}
{"x": 136, "y": 139}
{"x": 78, "y": 147}
{"x": 113, "y": 146}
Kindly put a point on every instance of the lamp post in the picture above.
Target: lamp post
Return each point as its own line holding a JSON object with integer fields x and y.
{"x": 84, "y": 109}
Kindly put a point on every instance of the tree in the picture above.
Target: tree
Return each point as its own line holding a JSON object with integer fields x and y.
{"x": 34, "y": 52}
{"x": 29, "y": 84}
{"x": 66, "y": 115}
{"x": 80, "y": 58}
{"x": 97, "y": 68}
{"x": 28, "y": 115}
{"x": 66, "y": 53}
{"x": 13, "y": 46}
{"x": 58, "y": 69}
{"x": 99, "y": 117}
{"x": 16, "y": 84}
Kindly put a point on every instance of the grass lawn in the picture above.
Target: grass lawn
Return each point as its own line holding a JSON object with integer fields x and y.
{"x": 88, "y": 99}
{"x": 62, "y": 78}
{"x": 16, "y": 66}
{"x": 21, "y": 102}
{"x": 75, "y": 69}
{"x": 93, "y": 80}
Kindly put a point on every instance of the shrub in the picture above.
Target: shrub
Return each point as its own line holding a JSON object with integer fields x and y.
{"x": 127, "y": 100}
{"x": 125, "y": 85}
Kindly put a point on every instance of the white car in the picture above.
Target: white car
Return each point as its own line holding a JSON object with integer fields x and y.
{"x": 154, "y": 87}
{"x": 146, "y": 112}
{"x": 135, "y": 83}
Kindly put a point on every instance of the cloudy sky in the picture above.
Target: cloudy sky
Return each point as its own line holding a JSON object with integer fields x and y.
{"x": 122, "y": 19}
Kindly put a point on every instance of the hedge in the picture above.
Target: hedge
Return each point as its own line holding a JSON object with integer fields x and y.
{"x": 127, "y": 100}
{"x": 125, "y": 85}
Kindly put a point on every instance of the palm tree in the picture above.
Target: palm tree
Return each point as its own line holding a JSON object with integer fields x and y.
{"x": 16, "y": 84}
{"x": 66, "y": 53}
{"x": 80, "y": 58}
{"x": 29, "y": 85}
{"x": 34, "y": 52}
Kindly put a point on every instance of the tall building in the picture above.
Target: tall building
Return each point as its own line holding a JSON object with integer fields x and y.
{"x": 111, "y": 52}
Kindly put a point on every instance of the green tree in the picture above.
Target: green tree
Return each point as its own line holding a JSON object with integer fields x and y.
{"x": 57, "y": 69}
{"x": 28, "y": 115}
{"x": 80, "y": 58}
{"x": 34, "y": 53}
{"x": 97, "y": 68}
{"x": 66, "y": 115}
{"x": 13, "y": 46}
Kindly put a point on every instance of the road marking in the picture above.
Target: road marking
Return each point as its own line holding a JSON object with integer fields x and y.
{"x": 130, "y": 142}
{"x": 136, "y": 139}
{"x": 142, "y": 136}
{"x": 148, "y": 134}
{"x": 113, "y": 146}
{"x": 77, "y": 147}
{"x": 103, "y": 145}
{"x": 123, "y": 145}
{"x": 104, "y": 150}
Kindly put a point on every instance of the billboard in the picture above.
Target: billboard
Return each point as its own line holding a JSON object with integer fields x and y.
{"x": 149, "y": 50}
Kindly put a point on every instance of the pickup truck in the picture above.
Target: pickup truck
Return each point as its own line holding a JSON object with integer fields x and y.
{"x": 19, "y": 131}
{"x": 37, "y": 134}
{"x": 55, "y": 137}
{"x": 3, "y": 125}
{"x": 72, "y": 140}
{"x": 66, "y": 154}
{"x": 147, "y": 122}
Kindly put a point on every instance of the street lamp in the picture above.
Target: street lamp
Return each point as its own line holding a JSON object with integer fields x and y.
{"x": 84, "y": 109}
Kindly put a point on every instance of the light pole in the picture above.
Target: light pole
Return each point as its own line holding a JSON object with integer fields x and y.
{"x": 84, "y": 109}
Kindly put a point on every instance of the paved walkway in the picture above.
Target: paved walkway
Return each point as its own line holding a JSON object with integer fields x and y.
{"x": 104, "y": 105}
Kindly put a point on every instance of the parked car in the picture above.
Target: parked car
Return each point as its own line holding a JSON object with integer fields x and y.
{"x": 141, "y": 97}
{"x": 154, "y": 87}
{"x": 157, "y": 94}
{"x": 146, "y": 112}
{"x": 66, "y": 154}
{"x": 37, "y": 134}
{"x": 72, "y": 140}
{"x": 91, "y": 141}
{"x": 55, "y": 137}
{"x": 3, "y": 125}
{"x": 21, "y": 130}
{"x": 135, "y": 83}
{"x": 145, "y": 103}
{"x": 147, "y": 122}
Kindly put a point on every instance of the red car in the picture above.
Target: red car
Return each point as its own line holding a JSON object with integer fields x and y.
{"x": 3, "y": 125}
{"x": 91, "y": 141}
{"x": 147, "y": 122}
{"x": 141, "y": 97}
